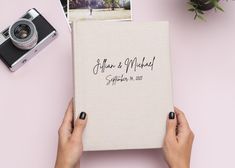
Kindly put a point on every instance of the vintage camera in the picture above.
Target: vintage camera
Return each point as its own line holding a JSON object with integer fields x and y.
{"x": 23, "y": 39}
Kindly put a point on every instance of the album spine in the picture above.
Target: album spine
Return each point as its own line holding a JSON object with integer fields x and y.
{"x": 74, "y": 59}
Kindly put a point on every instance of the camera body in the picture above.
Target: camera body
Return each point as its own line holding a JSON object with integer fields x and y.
{"x": 25, "y": 38}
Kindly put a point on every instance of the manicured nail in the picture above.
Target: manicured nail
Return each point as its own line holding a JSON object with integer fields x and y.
{"x": 171, "y": 115}
{"x": 82, "y": 116}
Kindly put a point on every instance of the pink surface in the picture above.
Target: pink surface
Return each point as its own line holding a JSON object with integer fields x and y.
{"x": 33, "y": 100}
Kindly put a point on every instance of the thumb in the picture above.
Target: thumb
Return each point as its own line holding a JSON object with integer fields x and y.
{"x": 79, "y": 126}
{"x": 171, "y": 125}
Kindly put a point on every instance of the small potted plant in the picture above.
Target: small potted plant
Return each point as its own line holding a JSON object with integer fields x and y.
{"x": 200, "y": 6}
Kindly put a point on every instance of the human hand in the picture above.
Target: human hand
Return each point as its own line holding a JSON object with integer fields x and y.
{"x": 70, "y": 139}
{"x": 178, "y": 141}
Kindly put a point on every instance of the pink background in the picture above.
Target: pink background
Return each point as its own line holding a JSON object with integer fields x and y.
{"x": 33, "y": 100}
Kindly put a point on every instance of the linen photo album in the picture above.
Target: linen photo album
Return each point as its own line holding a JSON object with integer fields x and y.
{"x": 122, "y": 80}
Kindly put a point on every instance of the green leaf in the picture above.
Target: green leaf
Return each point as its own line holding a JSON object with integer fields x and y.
{"x": 207, "y": 2}
{"x": 219, "y": 8}
{"x": 191, "y": 9}
{"x": 214, "y": 2}
{"x": 200, "y": 11}
{"x": 201, "y": 17}
{"x": 192, "y": 3}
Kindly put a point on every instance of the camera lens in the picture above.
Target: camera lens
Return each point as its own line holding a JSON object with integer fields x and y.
{"x": 22, "y": 31}
{"x": 23, "y": 34}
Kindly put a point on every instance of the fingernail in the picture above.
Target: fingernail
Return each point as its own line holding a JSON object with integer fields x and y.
{"x": 82, "y": 116}
{"x": 171, "y": 115}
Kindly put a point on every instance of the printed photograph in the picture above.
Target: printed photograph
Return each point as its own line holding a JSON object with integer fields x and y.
{"x": 99, "y": 10}
{"x": 64, "y": 4}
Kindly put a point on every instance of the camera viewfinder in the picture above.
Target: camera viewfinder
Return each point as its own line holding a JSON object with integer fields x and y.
{"x": 6, "y": 33}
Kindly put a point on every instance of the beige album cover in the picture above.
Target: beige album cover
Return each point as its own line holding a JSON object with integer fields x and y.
{"x": 123, "y": 82}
